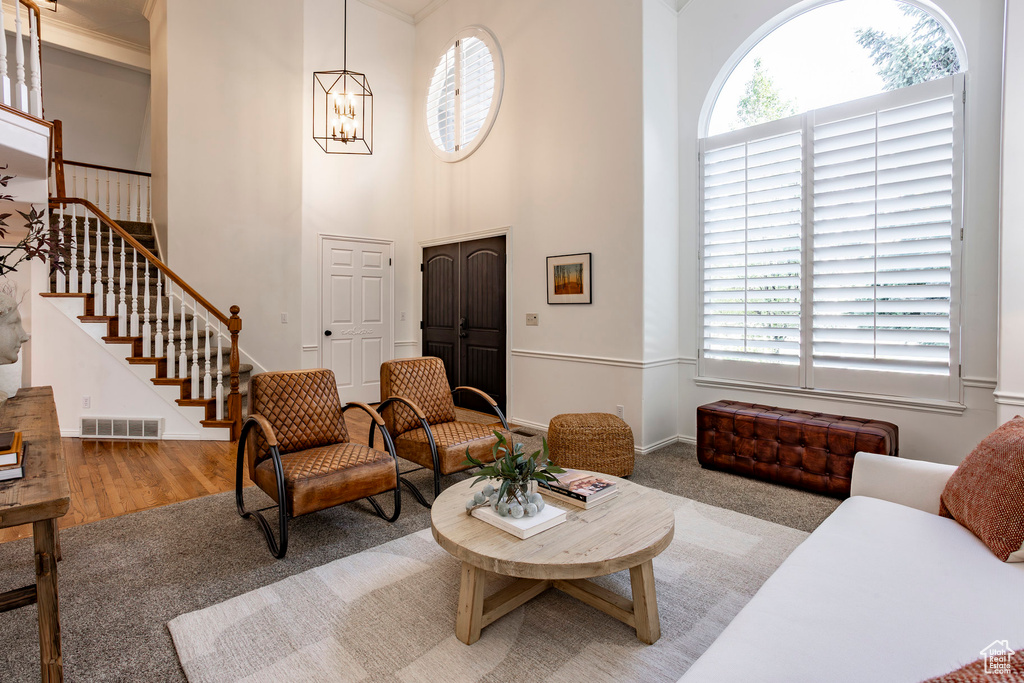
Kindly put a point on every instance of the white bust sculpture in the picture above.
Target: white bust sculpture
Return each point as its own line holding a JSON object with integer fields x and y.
{"x": 12, "y": 334}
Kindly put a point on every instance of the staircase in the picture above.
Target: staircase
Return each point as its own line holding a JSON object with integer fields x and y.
{"x": 148, "y": 316}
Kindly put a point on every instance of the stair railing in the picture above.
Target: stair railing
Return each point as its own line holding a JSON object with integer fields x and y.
{"x": 124, "y": 195}
{"x": 114, "y": 265}
{"x": 24, "y": 91}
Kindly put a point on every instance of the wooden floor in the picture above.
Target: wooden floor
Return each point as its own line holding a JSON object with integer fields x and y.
{"x": 112, "y": 478}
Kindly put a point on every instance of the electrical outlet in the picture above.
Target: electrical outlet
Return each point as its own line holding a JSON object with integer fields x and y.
{"x": 87, "y": 402}
{"x": 284, "y": 318}
{"x": 401, "y": 316}
{"x": 532, "y": 320}
{"x": 621, "y": 412}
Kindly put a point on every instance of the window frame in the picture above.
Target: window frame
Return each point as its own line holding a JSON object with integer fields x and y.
{"x": 491, "y": 42}
{"x": 892, "y": 384}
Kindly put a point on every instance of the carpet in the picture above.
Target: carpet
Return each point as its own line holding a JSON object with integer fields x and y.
{"x": 388, "y": 614}
{"x": 123, "y": 579}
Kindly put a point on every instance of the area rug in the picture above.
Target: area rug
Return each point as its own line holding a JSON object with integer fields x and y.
{"x": 388, "y": 613}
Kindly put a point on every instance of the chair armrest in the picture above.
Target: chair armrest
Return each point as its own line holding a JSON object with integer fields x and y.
{"x": 420, "y": 415}
{"x": 914, "y": 483}
{"x": 484, "y": 396}
{"x": 374, "y": 415}
{"x": 490, "y": 401}
{"x": 265, "y": 427}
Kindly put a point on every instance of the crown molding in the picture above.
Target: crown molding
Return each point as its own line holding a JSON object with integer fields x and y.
{"x": 65, "y": 36}
{"x": 428, "y": 10}
{"x": 386, "y": 9}
{"x": 147, "y": 9}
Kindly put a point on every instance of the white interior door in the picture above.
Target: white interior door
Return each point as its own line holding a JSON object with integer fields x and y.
{"x": 356, "y": 319}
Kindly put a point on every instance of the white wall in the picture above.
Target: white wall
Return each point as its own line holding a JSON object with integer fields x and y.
{"x": 563, "y": 167}
{"x": 360, "y": 196}
{"x": 102, "y": 106}
{"x": 1011, "y": 245}
{"x": 661, "y": 224}
{"x": 235, "y": 132}
{"x": 709, "y": 33}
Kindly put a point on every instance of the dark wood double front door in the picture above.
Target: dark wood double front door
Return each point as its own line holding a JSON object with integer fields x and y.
{"x": 464, "y": 316}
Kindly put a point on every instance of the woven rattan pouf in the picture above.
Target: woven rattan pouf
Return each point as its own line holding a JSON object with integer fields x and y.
{"x": 598, "y": 442}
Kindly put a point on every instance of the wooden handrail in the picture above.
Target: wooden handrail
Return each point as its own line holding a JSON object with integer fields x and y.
{"x": 106, "y": 168}
{"x": 230, "y": 321}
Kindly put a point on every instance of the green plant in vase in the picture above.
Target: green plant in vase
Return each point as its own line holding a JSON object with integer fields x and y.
{"x": 515, "y": 470}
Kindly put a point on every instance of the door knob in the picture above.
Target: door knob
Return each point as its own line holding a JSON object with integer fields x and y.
{"x": 327, "y": 333}
{"x": 462, "y": 323}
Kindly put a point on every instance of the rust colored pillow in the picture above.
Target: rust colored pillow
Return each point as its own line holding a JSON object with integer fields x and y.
{"x": 1006, "y": 666}
{"x": 986, "y": 493}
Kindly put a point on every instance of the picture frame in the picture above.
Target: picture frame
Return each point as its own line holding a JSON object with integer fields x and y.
{"x": 569, "y": 279}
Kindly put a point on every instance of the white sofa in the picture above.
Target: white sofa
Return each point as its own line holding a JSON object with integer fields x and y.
{"x": 884, "y": 590}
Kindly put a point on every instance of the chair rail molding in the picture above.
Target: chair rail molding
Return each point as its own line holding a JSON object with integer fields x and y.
{"x": 602, "y": 360}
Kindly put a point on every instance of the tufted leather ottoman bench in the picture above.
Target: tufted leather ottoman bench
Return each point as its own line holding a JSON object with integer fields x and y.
{"x": 811, "y": 451}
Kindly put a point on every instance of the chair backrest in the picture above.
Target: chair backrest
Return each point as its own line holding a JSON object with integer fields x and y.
{"x": 303, "y": 408}
{"x": 424, "y": 382}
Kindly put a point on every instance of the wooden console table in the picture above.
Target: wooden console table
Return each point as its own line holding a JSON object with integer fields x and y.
{"x": 39, "y": 498}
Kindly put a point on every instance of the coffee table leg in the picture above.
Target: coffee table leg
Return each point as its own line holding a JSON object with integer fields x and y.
{"x": 44, "y": 533}
{"x": 645, "y": 603}
{"x": 469, "y": 619}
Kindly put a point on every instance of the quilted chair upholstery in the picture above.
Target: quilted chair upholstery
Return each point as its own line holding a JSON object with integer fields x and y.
{"x": 296, "y": 441}
{"x": 418, "y": 410}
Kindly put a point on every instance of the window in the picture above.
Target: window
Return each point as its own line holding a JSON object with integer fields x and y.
{"x": 831, "y": 244}
{"x": 464, "y": 94}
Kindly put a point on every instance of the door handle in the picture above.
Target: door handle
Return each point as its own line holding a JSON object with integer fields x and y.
{"x": 327, "y": 333}
{"x": 462, "y": 323}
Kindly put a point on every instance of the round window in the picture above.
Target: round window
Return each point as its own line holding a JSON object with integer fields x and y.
{"x": 464, "y": 94}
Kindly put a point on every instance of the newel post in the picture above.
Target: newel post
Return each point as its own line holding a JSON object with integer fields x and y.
{"x": 58, "y": 158}
{"x": 235, "y": 398}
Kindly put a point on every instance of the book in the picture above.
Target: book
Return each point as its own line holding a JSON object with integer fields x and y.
{"x": 7, "y": 440}
{"x": 524, "y": 527}
{"x": 11, "y": 454}
{"x": 590, "y": 502}
{"x": 581, "y": 485}
{"x": 15, "y": 471}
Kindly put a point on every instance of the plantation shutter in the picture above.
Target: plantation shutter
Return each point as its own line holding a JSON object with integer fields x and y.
{"x": 751, "y": 252}
{"x": 883, "y": 235}
{"x": 476, "y": 87}
{"x": 441, "y": 103}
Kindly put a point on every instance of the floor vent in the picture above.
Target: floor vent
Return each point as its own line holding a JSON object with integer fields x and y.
{"x": 122, "y": 428}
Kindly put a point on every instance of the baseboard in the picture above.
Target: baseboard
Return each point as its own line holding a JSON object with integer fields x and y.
{"x": 77, "y": 434}
{"x": 527, "y": 423}
{"x": 639, "y": 450}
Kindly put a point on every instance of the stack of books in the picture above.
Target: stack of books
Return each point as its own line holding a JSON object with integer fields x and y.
{"x": 579, "y": 488}
{"x": 12, "y": 451}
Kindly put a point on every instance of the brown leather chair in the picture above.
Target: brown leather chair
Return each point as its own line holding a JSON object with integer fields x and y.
{"x": 418, "y": 410}
{"x": 299, "y": 444}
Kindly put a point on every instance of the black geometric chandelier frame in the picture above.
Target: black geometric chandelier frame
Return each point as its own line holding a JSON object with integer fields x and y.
{"x": 343, "y": 108}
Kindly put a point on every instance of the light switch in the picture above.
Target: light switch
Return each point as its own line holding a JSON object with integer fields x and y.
{"x": 531, "y": 320}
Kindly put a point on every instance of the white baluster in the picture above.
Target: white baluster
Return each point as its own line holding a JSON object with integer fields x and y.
{"x": 35, "y": 89}
{"x": 99, "y": 300}
{"x": 118, "y": 183}
{"x": 220, "y": 374}
{"x": 128, "y": 200}
{"x": 147, "y": 331}
{"x": 5, "y": 80}
{"x": 170, "y": 330}
{"x": 122, "y": 305}
{"x": 138, "y": 198}
{"x": 134, "y": 327}
{"x": 86, "y": 263}
{"x": 207, "y": 377}
{"x": 20, "y": 89}
{"x": 97, "y": 188}
{"x": 182, "y": 358}
{"x": 158, "y": 340}
{"x": 111, "y": 295}
{"x": 149, "y": 199}
{"x": 108, "y": 192}
{"x": 62, "y": 285}
{"x": 73, "y": 273}
{"x": 195, "y": 349}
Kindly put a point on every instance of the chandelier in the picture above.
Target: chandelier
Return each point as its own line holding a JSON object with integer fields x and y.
{"x": 343, "y": 108}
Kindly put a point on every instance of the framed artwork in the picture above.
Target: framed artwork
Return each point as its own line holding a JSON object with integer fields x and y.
{"x": 569, "y": 279}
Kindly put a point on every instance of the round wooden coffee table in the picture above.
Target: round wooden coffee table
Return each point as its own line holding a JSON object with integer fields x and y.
{"x": 624, "y": 532}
